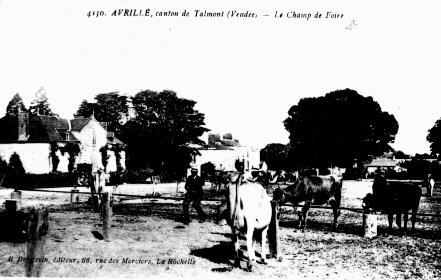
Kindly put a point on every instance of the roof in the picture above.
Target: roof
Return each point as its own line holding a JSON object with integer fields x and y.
{"x": 216, "y": 148}
{"x": 104, "y": 125}
{"x": 111, "y": 139}
{"x": 48, "y": 129}
{"x": 41, "y": 129}
{"x": 382, "y": 162}
{"x": 114, "y": 141}
{"x": 79, "y": 123}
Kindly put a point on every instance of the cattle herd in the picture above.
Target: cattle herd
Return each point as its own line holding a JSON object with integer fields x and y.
{"x": 248, "y": 209}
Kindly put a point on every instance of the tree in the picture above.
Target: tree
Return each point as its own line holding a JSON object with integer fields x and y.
{"x": 15, "y": 105}
{"x": 275, "y": 155}
{"x": 228, "y": 136}
{"x": 15, "y": 165}
{"x": 213, "y": 139}
{"x": 40, "y": 104}
{"x": 434, "y": 138}
{"x": 338, "y": 129}
{"x": 86, "y": 109}
{"x": 111, "y": 108}
{"x": 423, "y": 156}
{"x": 104, "y": 156}
{"x": 53, "y": 149}
{"x": 117, "y": 149}
{"x": 3, "y": 169}
{"x": 401, "y": 155}
{"x": 208, "y": 170}
{"x": 163, "y": 132}
{"x": 73, "y": 150}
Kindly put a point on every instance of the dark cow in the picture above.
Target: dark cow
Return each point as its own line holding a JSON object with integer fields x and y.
{"x": 218, "y": 179}
{"x": 221, "y": 179}
{"x": 394, "y": 198}
{"x": 249, "y": 210}
{"x": 312, "y": 190}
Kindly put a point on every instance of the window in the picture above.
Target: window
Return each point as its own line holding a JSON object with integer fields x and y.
{"x": 94, "y": 137}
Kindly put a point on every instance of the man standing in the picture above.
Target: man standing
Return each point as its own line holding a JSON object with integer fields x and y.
{"x": 430, "y": 183}
{"x": 193, "y": 186}
{"x": 96, "y": 170}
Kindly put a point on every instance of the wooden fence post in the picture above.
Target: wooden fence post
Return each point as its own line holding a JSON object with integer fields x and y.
{"x": 37, "y": 232}
{"x": 75, "y": 195}
{"x": 369, "y": 225}
{"x": 11, "y": 206}
{"x": 273, "y": 232}
{"x": 11, "y": 226}
{"x": 16, "y": 195}
{"x": 106, "y": 213}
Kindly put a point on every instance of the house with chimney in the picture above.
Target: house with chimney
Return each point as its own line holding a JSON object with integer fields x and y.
{"x": 32, "y": 136}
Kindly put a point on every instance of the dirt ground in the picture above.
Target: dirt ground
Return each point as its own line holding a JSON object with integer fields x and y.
{"x": 148, "y": 240}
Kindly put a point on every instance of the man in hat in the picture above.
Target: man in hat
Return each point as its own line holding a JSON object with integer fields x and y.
{"x": 193, "y": 186}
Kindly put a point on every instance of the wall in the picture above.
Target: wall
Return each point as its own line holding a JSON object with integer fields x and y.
{"x": 34, "y": 157}
{"x": 225, "y": 159}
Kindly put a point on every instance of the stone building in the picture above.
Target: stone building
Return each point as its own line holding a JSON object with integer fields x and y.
{"x": 31, "y": 138}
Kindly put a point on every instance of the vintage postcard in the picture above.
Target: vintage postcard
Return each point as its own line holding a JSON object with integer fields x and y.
{"x": 220, "y": 139}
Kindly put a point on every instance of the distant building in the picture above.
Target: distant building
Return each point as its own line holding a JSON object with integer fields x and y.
{"x": 381, "y": 163}
{"x": 223, "y": 153}
{"x": 31, "y": 137}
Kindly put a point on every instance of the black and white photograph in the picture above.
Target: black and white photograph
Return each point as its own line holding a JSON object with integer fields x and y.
{"x": 220, "y": 139}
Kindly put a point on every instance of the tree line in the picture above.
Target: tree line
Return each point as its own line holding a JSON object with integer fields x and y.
{"x": 341, "y": 128}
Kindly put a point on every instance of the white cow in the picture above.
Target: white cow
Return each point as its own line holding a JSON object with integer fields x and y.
{"x": 249, "y": 209}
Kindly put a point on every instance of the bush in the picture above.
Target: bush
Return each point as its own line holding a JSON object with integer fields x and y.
{"x": 3, "y": 166}
{"x": 398, "y": 175}
{"x": 207, "y": 170}
{"x": 116, "y": 178}
{"x": 30, "y": 181}
{"x": 353, "y": 174}
{"x": 139, "y": 176}
{"x": 15, "y": 165}
{"x": 419, "y": 168}
{"x": 84, "y": 168}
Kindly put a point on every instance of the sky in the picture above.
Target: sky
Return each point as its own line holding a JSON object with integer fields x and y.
{"x": 244, "y": 73}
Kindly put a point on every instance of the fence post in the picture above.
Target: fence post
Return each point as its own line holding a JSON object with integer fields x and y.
{"x": 11, "y": 206}
{"x": 16, "y": 195}
{"x": 273, "y": 232}
{"x": 75, "y": 195}
{"x": 154, "y": 184}
{"x": 37, "y": 232}
{"x": 11, "y": 225}
{"x": 369, "y": 225}
{"x": 106, "y": 213}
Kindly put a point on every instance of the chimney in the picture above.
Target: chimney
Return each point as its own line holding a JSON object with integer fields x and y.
{"x": 23, "y": 126}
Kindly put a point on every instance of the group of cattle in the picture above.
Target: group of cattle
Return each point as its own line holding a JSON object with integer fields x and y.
{"x": 249, "y": 205}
